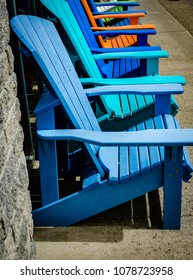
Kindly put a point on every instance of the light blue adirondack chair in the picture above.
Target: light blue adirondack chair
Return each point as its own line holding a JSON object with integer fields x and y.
{"x": 118, "y": 108}
{"x": 119, "y": 165}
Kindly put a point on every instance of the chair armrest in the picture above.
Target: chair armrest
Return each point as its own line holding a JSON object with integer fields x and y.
{"x": 130, "y": 49}
{"x": 125, "y": 32}
{"x": 126, "y": 3}
{"x": 139, "y": 55}
{"x": 120, "y": 15}
{"x": 160, "y": 137}
{"x": 126, "y": 27}
{"x": 121, "y": 12}
{"x": 148, "y": 89}
{"x": 135, "y": 81}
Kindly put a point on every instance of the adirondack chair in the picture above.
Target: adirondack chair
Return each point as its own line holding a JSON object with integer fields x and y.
{"x": 103, "y": 6}
{"x": 127, "y": 36}
{"x": 114, "y": 5}
{"x": 119, "y": 110}
{"x": 96, "y": 18}
{"x": 119, "y": 166}
{"x": 112, "y": 17}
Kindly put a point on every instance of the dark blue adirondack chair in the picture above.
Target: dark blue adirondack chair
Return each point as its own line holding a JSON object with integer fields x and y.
{"x": 120, "y": 108}
{"x": 118, "y": 166}
{"x": 91, "y": 37}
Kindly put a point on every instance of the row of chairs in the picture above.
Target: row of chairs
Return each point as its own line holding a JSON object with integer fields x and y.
{"x": 106, "y": 117}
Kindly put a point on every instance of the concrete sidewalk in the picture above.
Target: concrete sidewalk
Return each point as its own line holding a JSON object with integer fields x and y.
{"x": 115, "y": 235}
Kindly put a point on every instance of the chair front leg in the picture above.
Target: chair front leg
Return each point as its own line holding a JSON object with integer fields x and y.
{"x": 172, "y": 187}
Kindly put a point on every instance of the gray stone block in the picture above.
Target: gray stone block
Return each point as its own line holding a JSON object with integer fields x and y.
{"x": 4, "y": 27}
{"x": 16, "y": 225}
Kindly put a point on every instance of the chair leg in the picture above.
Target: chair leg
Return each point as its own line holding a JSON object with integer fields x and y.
{"x": 172, "y": 187}
{"x": 48, "y": 171}
{"x": 48, "y": 160}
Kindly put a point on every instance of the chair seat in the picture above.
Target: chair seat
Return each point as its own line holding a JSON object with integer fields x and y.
{"x": 127, "y": 105}
{"x": 121, "y": 41}
{"x": 125, "y": 163}
{"x": 122, "y": 68}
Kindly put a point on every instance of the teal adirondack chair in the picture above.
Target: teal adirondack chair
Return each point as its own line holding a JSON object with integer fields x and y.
{"x": 120, "y": 111}
{"x": 119, "y": 166}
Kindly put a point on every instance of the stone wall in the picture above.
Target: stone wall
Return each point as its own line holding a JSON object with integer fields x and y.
{"x": 16, "y": 226}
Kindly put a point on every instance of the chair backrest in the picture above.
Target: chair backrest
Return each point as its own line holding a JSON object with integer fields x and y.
{"x": 107, "y": 8}
{"x": 92, "y": 20}
{"x": 93, "y": 6}
{"x": 63, "y": 12}
{"x": 94, "y": 9}
{"x": 100, "y": 8}
{"x": 83, "y": 22}
{"x": 41, "y": 39}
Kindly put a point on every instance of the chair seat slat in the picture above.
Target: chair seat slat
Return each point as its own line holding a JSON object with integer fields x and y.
{"x": 143, "y": 154}
{"x": 124, "y": 164}
{"x": 154, "y": 153}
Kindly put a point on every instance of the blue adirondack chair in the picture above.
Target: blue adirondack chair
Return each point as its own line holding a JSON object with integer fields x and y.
{"x": 111, "y": 15}
{"x": 119, "y": 108}
{"x": 119, "y": 165}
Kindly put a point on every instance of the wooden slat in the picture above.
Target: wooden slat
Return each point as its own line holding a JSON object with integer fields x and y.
{"x": 140, "y": 101}
{"x": 125, "y": 105}
{"x": 122, "y": 67}
{"x": 134, "y": 160}
{"x": 120, "y": 41}
{"x": 159, "y": 124}
{"x": 134, "y": 67}
{"x": 114, "y": 105}
{"x": 154, "y": 154}
{"x": 149, "y": 100}
{"x": 133, "y": 104}
{"x": 116, "y": 68}
{"x": 124, "y": 165}
{"x": 143, "y": 154}
{"x": 109, "y": 159}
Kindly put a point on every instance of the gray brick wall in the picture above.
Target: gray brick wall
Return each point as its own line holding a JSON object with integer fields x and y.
{"x": 16, "y": 225}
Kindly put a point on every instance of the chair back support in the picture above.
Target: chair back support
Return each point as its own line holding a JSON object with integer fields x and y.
{"x": 83, "y": 22}
{"x": 40, "y": 37}
{"x": 64, "y": 13}
{"x": 92, "y": 20}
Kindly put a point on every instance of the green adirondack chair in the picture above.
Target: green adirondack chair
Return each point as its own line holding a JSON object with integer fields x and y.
{"x": 120, "y": 111}
{"x": 119, "y": 166}
{"x": 113, "y": 5}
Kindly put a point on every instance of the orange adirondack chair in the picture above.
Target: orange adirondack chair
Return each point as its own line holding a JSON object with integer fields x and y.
{"x": 119, "y": 40}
